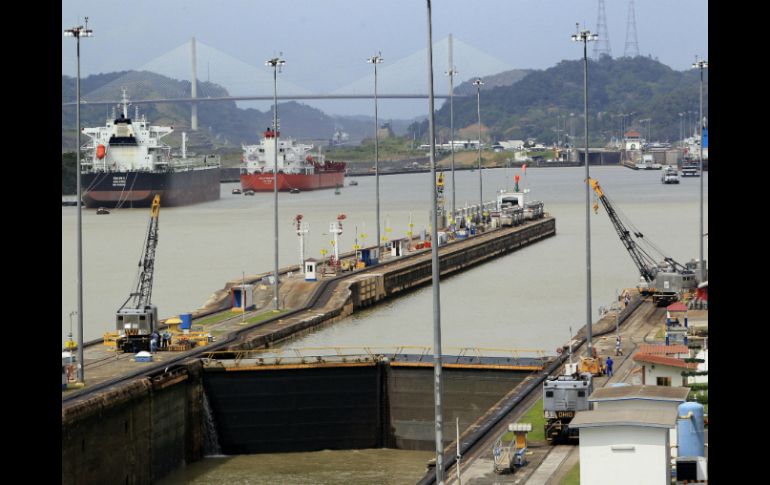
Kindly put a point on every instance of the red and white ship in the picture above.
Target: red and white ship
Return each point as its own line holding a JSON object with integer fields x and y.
{"x": 297, "y": 169}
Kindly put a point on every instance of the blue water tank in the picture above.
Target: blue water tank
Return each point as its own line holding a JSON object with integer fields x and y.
{"x": 186, "y": 321}
{"x": 689, "y": 431}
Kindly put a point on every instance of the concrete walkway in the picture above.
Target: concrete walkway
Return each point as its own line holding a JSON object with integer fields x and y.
{"x": 551, "y": 463}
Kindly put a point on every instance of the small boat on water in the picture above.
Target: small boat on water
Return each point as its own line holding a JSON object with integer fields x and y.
{"x": 102, "y": 211}
{"x": 690, "y": 169}
{"x": 294, "y": 190}
{"x": 236, "y": 191}
{"x": 248, "y": 192}
{"x": 353, "y": 182}
{"x": 669, "y": 176}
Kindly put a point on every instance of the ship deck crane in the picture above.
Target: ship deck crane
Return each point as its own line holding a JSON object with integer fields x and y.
{"x": 665, "y": 280}
{"x": 137, "y": 318}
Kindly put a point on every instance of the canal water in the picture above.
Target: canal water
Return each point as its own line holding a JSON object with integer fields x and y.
{"x": 373, "y": 467}
{"x": 527, "y": 299}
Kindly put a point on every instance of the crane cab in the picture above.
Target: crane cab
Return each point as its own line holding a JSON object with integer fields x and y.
{"x": 134, "y": 326}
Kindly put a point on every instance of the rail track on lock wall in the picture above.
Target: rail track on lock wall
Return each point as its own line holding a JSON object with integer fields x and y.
{"x": 529, "y": 232}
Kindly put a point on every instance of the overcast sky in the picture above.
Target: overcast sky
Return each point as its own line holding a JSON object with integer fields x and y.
{"x": 326, "y": 42}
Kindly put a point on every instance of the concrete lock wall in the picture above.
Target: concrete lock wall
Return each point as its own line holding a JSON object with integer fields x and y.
{"x": 153, "y": 426}
{"x": 133, "y": 436}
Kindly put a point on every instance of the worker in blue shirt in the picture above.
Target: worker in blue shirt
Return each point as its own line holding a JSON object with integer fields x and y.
{"x": 609, "y": 366}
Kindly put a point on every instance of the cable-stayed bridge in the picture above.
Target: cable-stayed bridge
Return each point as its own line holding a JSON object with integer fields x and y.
{"x": 401, "y": 79}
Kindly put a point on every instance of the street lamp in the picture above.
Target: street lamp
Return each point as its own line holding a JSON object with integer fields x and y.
{"x": 681, "y": 131}
{"x": 478, "y": 83}
{"x": 642, "y": 122}
{"x": 77, "y": 32}
{"x": 435, "y": 271}
{"x": 586, "y": 36}
{"x": 276, "y": 63}
{"x": 451, "y": 73}
{"x": 376, "y": 60}
{"x": 701, "y": 64}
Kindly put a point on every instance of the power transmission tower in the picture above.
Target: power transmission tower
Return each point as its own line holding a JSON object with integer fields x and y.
{"x": 603, "y": 45}
{"x": 632, "y": 45}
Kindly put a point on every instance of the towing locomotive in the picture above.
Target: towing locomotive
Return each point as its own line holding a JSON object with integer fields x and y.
{"x": 563, "y": 396}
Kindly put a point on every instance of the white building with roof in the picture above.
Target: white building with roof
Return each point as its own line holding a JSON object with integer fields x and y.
{"x": 633, "y": 140}
{"x": 628, "y": 446}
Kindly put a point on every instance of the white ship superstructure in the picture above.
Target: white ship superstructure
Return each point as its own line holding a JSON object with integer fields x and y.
{"x": 126, "y": 145}
{"x": 293, "y": 157}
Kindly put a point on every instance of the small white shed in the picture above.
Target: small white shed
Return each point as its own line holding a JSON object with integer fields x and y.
{"x": 310, "y": 269}
{"x": 628, "y": 446}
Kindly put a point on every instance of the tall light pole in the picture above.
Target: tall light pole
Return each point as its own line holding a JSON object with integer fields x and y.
{"x": 701, "y": 64}
{"x": 77, "y": 32}
{"x": 276, "y": 63}
{"x": 437, "y": 383}
{"x": 376, "y": 60}
{"x": 586, "y": 36}
{"x": 451, "y": 73}
{"x": 478, "y": 83}
{"x": 681, "y": 131}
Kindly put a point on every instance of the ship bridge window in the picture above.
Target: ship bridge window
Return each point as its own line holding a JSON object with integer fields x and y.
{"x": 548, "y": 393}
{"x": 280, "y": 150}
{"x": 261, "y": 150}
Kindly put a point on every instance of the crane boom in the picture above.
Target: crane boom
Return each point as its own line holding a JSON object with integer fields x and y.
{"x": 667, "y": 279}
{"x": 148, "y": 262}
{"x": 137, "y": 322}
{"x": 143, "y": 294}
{"x": 647, "y": 272}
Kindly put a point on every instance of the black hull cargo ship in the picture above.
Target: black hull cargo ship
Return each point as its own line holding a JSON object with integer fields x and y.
{"x": 137, "y": 189}
{"x": 126, "y": 164}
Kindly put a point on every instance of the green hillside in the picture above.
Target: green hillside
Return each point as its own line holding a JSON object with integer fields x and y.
{"x": 529, "y": 108}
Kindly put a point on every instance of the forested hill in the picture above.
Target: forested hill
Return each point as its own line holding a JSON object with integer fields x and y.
{"x": 529, "y": 107}
{"x": 220, "y": 124}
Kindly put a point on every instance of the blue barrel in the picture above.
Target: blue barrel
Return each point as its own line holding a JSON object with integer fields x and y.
{"x": 689, "y": 430}
{"x": 186, "y": 321}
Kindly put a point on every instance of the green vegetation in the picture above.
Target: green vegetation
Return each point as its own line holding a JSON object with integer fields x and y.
{"x": 535, "y": 417}
{"x": 265, "y": 316}
{"x": 393, "y": 148}
{"x": 216, "y": 318}
{"x": 219, "y": 317}
{"x": 68, "y": 180}
{"x": 471, "y": 159}
{"x": 221, "y": 124}
{"x": 573, "y": 476}
{"x": 529, "y": 108}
